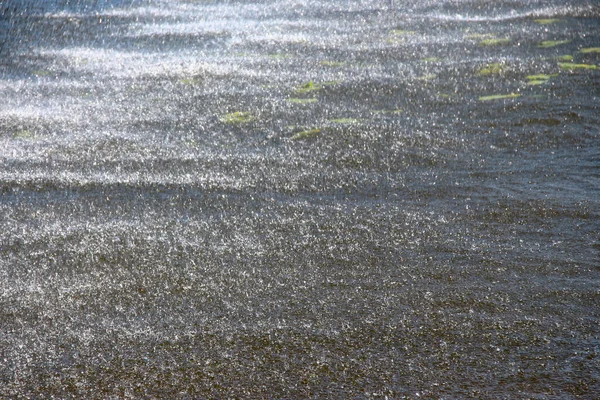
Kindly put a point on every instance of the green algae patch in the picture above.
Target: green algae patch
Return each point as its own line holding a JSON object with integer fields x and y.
{"x": 538, "y": 79}
{"x": 536, "y": 82}
{"x": 589, "y": 50}
{"x": 546, "y": 21}
{"x": 546, "y": 44}
{"x": 24, "y": 134}
{"x": 493, "y": 41}
{"x": 491, "y": 69}
{"x": 565, "y": 58}
{"x": 399, "y": 35}
{"x": 401, "y": 32}
{"x": 237, "y": 118}
{"x": 296, "y": 100}
{"x": 41, "y": 73}
{"x": 499, "y": 97}
{"x": 431, "y": 59}
{"x": 308, "y": 87}
{"x": 306, "y": 134}
{"x": 426, "y": 77}
{"x": 191, "y": 80}
{"x": 397, "y": 111}
{"x": 279, "y": 56}
{"x": 569, "y": 66}
{"x": 479, "y": 36}
{"x": 333, "y": 64}
{"x": 345, "y": 121}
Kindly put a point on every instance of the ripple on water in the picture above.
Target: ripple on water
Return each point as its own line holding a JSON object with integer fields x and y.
{"x": 299, "y": 199}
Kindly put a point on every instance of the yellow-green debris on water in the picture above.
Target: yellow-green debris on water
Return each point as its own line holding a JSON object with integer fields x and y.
{"x": 314, "y": 87}
{"x": 538, "y": 79}
{"x": 344, "y": 120}
{"x": 546, "y": 44}
{"x": 24, "y": 134}
{"x": 306, "y": 134}
{"x": 401, "y": 32}
{"x": 572, "y": 66}
{"x": 308, "y": 87}
{"x": 494, "y": 42}
{"x": 296, "y": 100}
{"x": 589, "y": 50}
{"x": 397, "y": 111}
{"x": 191, "y": 80}
{"x": 238, "y": 117}
{"x": 333, "y": 64}
{"x": 499, "y": 97}
{"x": 546, "y": 21}
{"x": 491, "y": 69}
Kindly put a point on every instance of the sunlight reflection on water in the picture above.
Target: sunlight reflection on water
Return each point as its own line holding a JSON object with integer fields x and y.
{"x": 299, "y": 199}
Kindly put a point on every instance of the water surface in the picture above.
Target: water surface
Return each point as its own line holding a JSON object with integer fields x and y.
{"x": 296, "y": 199}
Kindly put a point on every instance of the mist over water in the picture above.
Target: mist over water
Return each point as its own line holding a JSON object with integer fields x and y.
{"x": 299, "y": 199}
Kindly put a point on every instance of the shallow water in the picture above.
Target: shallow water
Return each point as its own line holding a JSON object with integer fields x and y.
{"x": 292, "y": 199}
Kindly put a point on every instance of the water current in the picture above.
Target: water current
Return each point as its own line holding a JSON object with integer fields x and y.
{"x": 300, "y": 199}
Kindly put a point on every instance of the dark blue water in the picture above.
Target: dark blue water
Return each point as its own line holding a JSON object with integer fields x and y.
{"x": 300, "y": 199}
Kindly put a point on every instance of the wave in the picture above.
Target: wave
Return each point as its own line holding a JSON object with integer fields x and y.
{"x": 546, "y": 12}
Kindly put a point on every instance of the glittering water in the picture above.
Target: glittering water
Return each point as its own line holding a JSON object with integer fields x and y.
{"x": 292, "y": 199}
